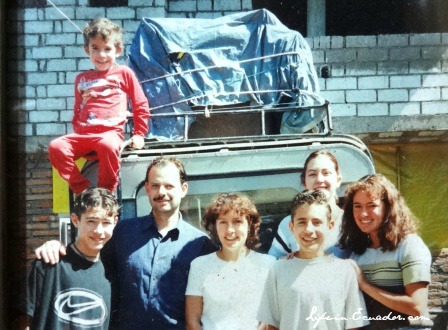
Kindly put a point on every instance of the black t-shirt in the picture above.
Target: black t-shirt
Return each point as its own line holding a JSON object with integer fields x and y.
{"x": 73, "y": 294}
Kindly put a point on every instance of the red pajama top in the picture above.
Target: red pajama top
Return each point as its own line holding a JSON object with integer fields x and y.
{"x": 101, "y": 101}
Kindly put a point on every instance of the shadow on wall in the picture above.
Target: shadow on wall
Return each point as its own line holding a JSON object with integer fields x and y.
{"x": 19, "y": 166}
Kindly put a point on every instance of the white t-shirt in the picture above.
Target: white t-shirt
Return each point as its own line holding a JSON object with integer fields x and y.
{"x": 299, "y": 291}
{"x": 231, "y": 291}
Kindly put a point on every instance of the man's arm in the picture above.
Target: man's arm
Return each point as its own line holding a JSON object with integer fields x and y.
{"x": 50, "y": 251}
{"x": 78, "y": 103}
{"x": 281, "y": 244}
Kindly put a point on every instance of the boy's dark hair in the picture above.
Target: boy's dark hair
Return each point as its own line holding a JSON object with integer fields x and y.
{"x": 95, "y": 197}
{"x": 104, "y": 27}
{"x": 239, "y": 203}
{"x": 310, "y": 197}
{"x": 163, "y": 161}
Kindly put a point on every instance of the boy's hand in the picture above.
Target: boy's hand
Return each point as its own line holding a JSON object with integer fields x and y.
{"x": 138, "y": 142}
{"x": 359, "y": 273}
{"x": 50, "y": 251}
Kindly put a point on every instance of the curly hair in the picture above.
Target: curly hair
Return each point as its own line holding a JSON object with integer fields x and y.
{"x": 398, "y": 220}
{"x": 95, "y": 197}
{"x": 310, "y": 197}
{"x": 239, "y": 203}
{"x": 104, "y": 27}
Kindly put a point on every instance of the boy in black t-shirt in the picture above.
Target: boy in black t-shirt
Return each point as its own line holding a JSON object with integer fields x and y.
{"x": 75, "y": 293}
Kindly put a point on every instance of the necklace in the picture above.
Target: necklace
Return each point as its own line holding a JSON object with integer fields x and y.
{"x": 90, "y": 258}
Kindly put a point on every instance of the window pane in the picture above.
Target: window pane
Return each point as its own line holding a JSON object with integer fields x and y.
{"x": 272, "y": 204}
{"x": 362, "y": 17}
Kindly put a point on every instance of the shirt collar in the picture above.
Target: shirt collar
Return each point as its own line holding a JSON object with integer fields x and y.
{"x": 149, "y": 223}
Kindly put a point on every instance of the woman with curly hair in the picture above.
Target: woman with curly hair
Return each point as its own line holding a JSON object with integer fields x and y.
{"x": 224, "y": 288}
{"x": 392, "y": 261}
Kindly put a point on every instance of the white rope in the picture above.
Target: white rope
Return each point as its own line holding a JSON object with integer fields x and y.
{"x": 209, "y": 95}
{"x": 218, "y": 66}
{"x": 60, "y": 11}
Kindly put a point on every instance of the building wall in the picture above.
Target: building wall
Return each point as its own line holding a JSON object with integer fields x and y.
{"x": 378, "y": 84}
{"x": 386, "y": 83}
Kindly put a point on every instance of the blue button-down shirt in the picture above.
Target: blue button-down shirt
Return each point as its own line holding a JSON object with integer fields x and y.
{"x": 149, "y": 272}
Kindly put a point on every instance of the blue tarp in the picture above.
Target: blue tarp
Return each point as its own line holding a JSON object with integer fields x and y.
{"x": 244, "y": 57}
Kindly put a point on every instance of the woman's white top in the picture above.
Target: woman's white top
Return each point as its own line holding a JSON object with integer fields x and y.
{"x": 231, "y": 290}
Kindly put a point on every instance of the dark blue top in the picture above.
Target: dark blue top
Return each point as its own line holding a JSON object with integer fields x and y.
{"x": 149, "y": 273}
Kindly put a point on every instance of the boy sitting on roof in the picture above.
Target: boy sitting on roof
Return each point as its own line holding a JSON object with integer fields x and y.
{"x": 101, "y": 99}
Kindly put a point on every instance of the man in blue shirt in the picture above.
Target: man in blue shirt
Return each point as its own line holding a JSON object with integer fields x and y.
{"x": 148, "y": 259}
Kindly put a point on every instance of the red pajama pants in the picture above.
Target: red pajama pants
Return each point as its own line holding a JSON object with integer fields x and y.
{"x": 64, "y": 150}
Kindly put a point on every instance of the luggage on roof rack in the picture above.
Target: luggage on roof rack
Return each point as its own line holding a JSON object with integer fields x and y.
{"x": 246, "y": 60}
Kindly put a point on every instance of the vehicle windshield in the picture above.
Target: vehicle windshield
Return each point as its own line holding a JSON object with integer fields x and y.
{"x": 272, "y": 204}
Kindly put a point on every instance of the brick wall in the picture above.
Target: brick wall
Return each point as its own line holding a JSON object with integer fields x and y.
{"x": 438, "y": 290}
{"x": 378, "y": 83}
{"x": 206, "y": 8}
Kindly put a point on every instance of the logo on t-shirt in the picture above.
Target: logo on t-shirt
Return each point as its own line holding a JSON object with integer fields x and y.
{"x": 80, "y": 307}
